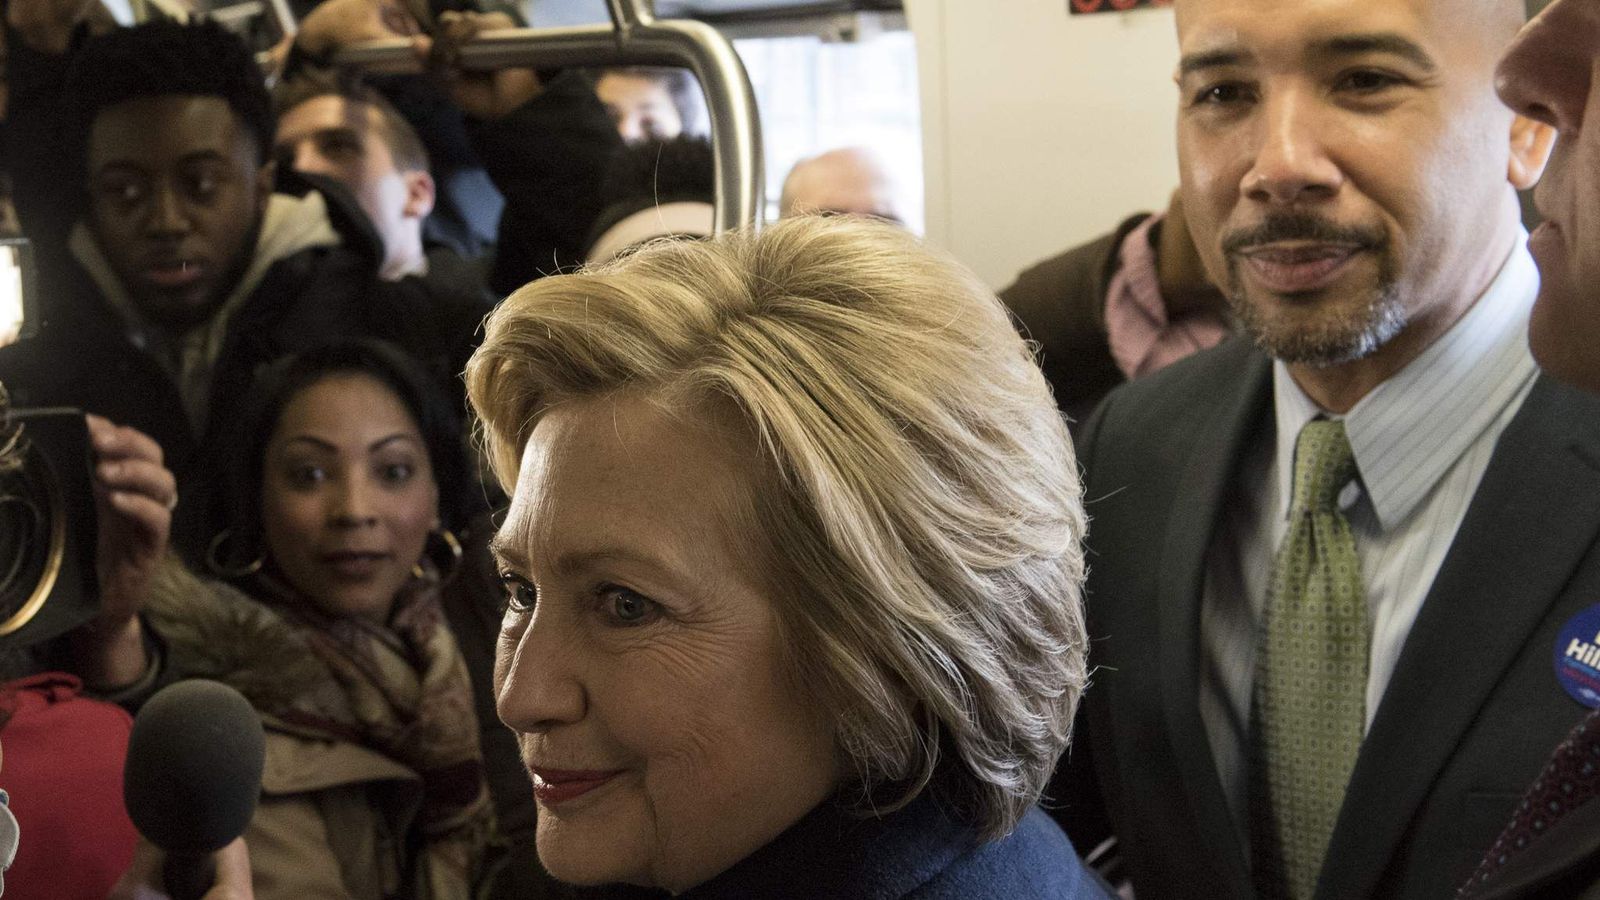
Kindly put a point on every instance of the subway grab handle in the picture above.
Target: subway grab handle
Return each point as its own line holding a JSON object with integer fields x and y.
{"x": 635, "y": 38}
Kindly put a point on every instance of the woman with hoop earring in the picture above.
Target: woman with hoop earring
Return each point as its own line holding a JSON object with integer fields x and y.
{"x": 331, "y": 624}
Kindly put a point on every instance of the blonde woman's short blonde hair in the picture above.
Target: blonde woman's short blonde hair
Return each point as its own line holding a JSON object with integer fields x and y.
{"x": 921, "y": 509}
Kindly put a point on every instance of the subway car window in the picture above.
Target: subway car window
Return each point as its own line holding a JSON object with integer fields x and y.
{"x": 826, "y": 92}
{"x": 15, "y": 283}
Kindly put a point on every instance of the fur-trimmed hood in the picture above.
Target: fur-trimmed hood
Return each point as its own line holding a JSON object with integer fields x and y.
{"x": 212, "y": 630}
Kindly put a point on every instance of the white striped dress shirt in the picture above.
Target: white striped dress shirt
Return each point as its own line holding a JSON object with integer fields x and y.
{"x": 1422, "y": 441}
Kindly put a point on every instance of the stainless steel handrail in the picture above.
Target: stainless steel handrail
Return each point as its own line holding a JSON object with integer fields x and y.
{"x": 283, "y": 16}
{"x": 636, "y": 38}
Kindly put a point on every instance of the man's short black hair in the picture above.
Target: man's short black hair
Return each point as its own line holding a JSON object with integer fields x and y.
{"x": 164, "y": 58}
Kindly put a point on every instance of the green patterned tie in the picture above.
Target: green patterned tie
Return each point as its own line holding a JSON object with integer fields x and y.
{"x": 1309, "y": 704}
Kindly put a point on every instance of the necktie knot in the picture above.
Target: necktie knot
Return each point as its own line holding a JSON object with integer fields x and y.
{"x": 1323, "y": 465}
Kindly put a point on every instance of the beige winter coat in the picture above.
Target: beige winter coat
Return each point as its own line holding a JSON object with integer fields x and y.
{"x": 333, "y": 815}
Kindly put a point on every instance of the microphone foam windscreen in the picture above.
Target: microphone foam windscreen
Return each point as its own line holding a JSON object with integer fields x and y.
{"x": 194, "y": 767}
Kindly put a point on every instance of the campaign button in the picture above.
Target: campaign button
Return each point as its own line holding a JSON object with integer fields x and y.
{"x": 1577, "y": 657}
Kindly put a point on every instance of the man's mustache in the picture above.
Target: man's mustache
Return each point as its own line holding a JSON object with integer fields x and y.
{"x": 1302, "y": 227}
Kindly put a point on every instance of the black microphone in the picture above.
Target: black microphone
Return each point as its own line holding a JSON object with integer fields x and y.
{"x": 193, "y": 776}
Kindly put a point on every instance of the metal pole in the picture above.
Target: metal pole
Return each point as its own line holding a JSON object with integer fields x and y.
{"x": 638, "y": 38}
{"x": 625, "y": 14}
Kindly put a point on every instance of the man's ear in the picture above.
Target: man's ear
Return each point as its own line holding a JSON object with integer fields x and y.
{"x": 1531, "y": 143}
{"x": 419, "y": 194}
{"x": 265, "y": 177}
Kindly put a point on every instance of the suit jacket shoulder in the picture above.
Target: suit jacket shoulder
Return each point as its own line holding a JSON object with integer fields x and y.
{"x": 1146, "y": 429}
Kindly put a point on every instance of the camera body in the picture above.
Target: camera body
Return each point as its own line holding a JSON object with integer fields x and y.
{"x": 48, "y": 530}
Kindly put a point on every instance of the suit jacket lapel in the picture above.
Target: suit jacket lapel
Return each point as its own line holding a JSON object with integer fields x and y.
{"x": 1215, "y": 455}
{"x": 1569, "y": 853}
{"x": 1533, "y": 518}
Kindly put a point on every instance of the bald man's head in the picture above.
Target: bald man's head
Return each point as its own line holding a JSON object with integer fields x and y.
{"x": 1498, "y": 20}
{"x": 847, "y": 181}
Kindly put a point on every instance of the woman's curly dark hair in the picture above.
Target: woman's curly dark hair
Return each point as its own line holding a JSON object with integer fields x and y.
{"x": 281, "y": 382}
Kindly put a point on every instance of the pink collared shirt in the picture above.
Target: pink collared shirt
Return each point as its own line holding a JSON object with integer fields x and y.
{"x": 1143, "y": 339}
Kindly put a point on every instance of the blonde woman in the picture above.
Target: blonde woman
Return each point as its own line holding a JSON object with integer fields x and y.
{"x": 793, "y": 566}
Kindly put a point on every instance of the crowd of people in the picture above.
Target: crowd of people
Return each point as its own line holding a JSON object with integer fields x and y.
{"x": 558, "y": 561}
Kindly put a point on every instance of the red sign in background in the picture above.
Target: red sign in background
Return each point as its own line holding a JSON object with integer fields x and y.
{"x": 1094, "y": 6}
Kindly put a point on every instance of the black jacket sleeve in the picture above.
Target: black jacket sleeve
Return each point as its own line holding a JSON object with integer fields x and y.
{"x": 548, "y": 158}
{"x": 46, "y": 170}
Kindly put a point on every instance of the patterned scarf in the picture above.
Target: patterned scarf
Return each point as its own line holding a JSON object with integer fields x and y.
{"x": 402, "y": 690}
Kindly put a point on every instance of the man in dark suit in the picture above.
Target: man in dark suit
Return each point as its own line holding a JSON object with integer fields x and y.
{"x": 1551, "y": 846}
{"x": 1330, "y": 561}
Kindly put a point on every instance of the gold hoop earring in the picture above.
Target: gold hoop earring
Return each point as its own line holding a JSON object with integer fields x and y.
{"x": 223, "y": 571}
{"x": 452, "y": 550}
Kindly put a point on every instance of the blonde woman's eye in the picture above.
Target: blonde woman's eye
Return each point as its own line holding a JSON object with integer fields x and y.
{"x": 627, "y": 607}
{"x": 521, "y": 596}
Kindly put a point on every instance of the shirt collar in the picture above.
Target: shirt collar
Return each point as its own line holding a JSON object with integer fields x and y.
{"x": 1411, "y": 429}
